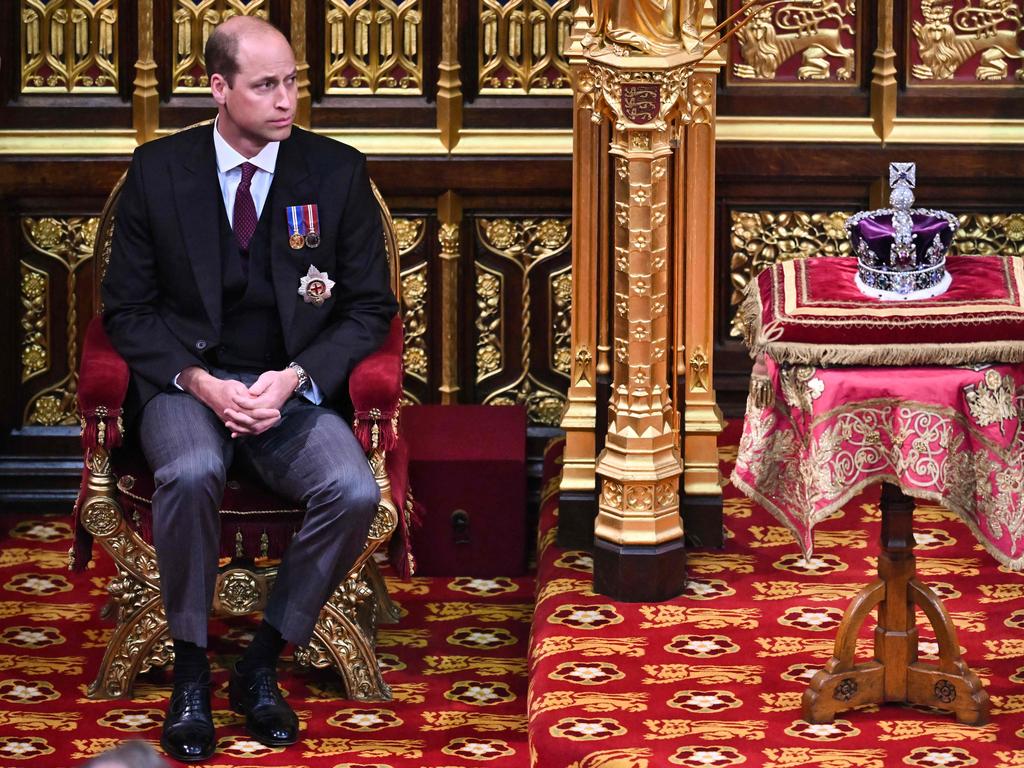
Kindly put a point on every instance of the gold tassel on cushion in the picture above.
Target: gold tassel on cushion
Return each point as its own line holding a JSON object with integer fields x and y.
{"x": 762, "y": 393}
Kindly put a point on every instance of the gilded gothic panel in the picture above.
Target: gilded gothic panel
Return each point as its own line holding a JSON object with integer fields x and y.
{"x": 415, "y": 275}
{"x": 69, "y": 46}
{"x": 965, "y": 41}
{"x": 792, "y": 42}
{"x": 373, "y": 46}
{"x": 523, "y": 302}
{"x": 520, "y": 46}
{"x": 192, "y": 23}
{"x": 57, "y": 249}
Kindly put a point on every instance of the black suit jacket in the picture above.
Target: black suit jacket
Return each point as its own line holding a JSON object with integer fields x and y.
{"x": 162, "y": 291}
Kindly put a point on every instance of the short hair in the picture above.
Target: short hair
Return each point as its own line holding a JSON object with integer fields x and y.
{"x": 221, "y": 52}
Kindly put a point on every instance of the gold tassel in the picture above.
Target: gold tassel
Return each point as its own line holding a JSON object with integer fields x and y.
{"x": 762, "y": 393}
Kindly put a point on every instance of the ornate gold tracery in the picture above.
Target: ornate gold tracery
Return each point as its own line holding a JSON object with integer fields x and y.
{"x": 527, "y": 244}
{"x": 374, "y": 46}
{"x": 191, "y": 24}
{"x": 761, "y": 238}
{"x": 69, "y": 242}
{"x": 410, "y": 232}
{"x": 521, "y": 44}
{"x": 69, "y": 46}
{"x": 35, "y": 321}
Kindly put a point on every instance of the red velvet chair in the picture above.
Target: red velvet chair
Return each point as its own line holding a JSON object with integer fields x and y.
{"x": 113, "y": 508}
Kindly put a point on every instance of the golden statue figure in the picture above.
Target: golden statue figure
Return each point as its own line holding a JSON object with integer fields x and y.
{"x": 652, "y": 27}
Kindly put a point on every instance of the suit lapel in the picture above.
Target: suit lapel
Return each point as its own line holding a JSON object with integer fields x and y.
{"x": 292, "y": 185}
{"x": 198, "y": 201}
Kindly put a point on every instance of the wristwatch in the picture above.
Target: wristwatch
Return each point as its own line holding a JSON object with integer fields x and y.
{"x": 304, "y": 383}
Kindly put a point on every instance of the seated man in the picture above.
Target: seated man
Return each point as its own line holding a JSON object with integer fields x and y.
{"x": 247, "y": 277}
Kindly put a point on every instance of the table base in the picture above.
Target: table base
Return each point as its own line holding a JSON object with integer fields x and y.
{"x": 895, "y": 674}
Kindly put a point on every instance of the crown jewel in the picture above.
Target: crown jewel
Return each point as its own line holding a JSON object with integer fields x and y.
{"x": 901, "y": 251}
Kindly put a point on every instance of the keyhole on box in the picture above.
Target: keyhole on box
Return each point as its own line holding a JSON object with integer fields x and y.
{"x": 460, "y": 526}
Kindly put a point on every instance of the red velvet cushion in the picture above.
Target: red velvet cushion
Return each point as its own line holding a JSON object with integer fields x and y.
{"x": 809, "y": 311}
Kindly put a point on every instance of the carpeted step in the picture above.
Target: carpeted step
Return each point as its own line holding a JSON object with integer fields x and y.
{"x": 715, "y": 677}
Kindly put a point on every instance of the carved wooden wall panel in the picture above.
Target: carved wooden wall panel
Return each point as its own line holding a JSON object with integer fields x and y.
{"x": 56, "y": 298}
{"x": 521, "y": 291}
{"x": 373, "y": 46}
{"x": 965, "y": 42}
{"x": 416, "y": 304}
{"x": 793, "y": 43}
{"x": 521, "y": 44}
{"x": 463, "y": 109}
{"x": 69, "y": 46}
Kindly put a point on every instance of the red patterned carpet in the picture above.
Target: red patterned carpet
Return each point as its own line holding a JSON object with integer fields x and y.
{"x": 714, "y": 678}
{"x": 456, "y": 664}
{"x": 710, "y": 679}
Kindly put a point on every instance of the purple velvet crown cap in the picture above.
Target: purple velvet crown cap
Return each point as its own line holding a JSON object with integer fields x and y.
{"x": 875, "y": 234}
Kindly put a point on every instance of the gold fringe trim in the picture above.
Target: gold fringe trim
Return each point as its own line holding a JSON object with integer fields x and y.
{"x": 826, "y": 355}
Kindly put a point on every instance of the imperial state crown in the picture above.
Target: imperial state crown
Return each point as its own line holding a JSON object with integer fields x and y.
{"x": 901, "y": 251}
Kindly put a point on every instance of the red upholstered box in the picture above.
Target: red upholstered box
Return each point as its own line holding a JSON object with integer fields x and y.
{"x": 467, "y": 469}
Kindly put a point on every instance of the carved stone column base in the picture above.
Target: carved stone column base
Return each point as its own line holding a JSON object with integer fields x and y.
{"x": 639, "y": 574}
{"x": 577, "y": 511}
{"x": 702, "y": 521}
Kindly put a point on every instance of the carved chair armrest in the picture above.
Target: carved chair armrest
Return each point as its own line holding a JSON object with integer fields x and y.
{"x": 375, "y": 387}
{"x": 102, "y": 385}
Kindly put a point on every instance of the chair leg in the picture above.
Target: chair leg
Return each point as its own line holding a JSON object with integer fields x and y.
{"x": 140, "y": 640}
{"x": 344, "y": 638}
{"x": 387, "y": 611}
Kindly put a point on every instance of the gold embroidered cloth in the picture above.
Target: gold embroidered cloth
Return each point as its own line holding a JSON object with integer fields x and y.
{"x": 949, "y": 435}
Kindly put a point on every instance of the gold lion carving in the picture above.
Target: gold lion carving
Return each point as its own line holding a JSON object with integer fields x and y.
{"x": 766, "y": 42}
{"x": 946, "y": 40}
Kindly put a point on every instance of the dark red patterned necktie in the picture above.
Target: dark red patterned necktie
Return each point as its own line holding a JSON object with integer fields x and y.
{"x": 245, "y": 210}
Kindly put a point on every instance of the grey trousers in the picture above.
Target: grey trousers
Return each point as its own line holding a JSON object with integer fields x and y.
{"x": 311, "y": 456}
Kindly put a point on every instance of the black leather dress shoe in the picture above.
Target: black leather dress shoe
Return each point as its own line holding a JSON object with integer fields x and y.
{"x": 188, "y": 728}
{"x": 268, "y": 718}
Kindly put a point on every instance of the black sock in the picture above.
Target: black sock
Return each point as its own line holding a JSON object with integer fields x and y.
{"x": 190, "y": 662}
{"x": 264, "y": 649}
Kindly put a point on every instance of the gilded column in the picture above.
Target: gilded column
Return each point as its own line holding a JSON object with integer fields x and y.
{"x": 702, "y": 419}
{"x": 883, "y": 76}
{"x": 304, "y": 105}
{"x": 638, "y": 547}
{"x": 449, "y": 84}
{"x": 578, "y": 485}
{"x": 145, "y": 98}
{"x": 449, "y": 211}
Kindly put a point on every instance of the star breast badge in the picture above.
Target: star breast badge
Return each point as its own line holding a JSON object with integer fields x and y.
{"x": 315, "y": 287}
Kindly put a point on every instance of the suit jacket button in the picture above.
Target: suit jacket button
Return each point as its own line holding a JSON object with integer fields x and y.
{"x": 201, "y": 344}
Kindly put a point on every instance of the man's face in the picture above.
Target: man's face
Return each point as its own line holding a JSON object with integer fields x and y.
{"x": 260, "y": 106}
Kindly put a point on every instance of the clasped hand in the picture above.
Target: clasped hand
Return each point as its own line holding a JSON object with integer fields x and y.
{"x": 244, "y": 410}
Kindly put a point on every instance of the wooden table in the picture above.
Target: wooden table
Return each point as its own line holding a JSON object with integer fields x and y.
{"x": 822, "y": 435}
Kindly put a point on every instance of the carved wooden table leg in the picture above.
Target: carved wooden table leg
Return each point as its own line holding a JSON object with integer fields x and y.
{"x": 895, "y": 674}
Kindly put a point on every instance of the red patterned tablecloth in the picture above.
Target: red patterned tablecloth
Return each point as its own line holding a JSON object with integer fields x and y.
{"x": 952, "y": 435}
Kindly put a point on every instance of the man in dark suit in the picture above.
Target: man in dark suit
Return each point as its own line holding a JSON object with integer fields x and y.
{"x": 247, "y": 277}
